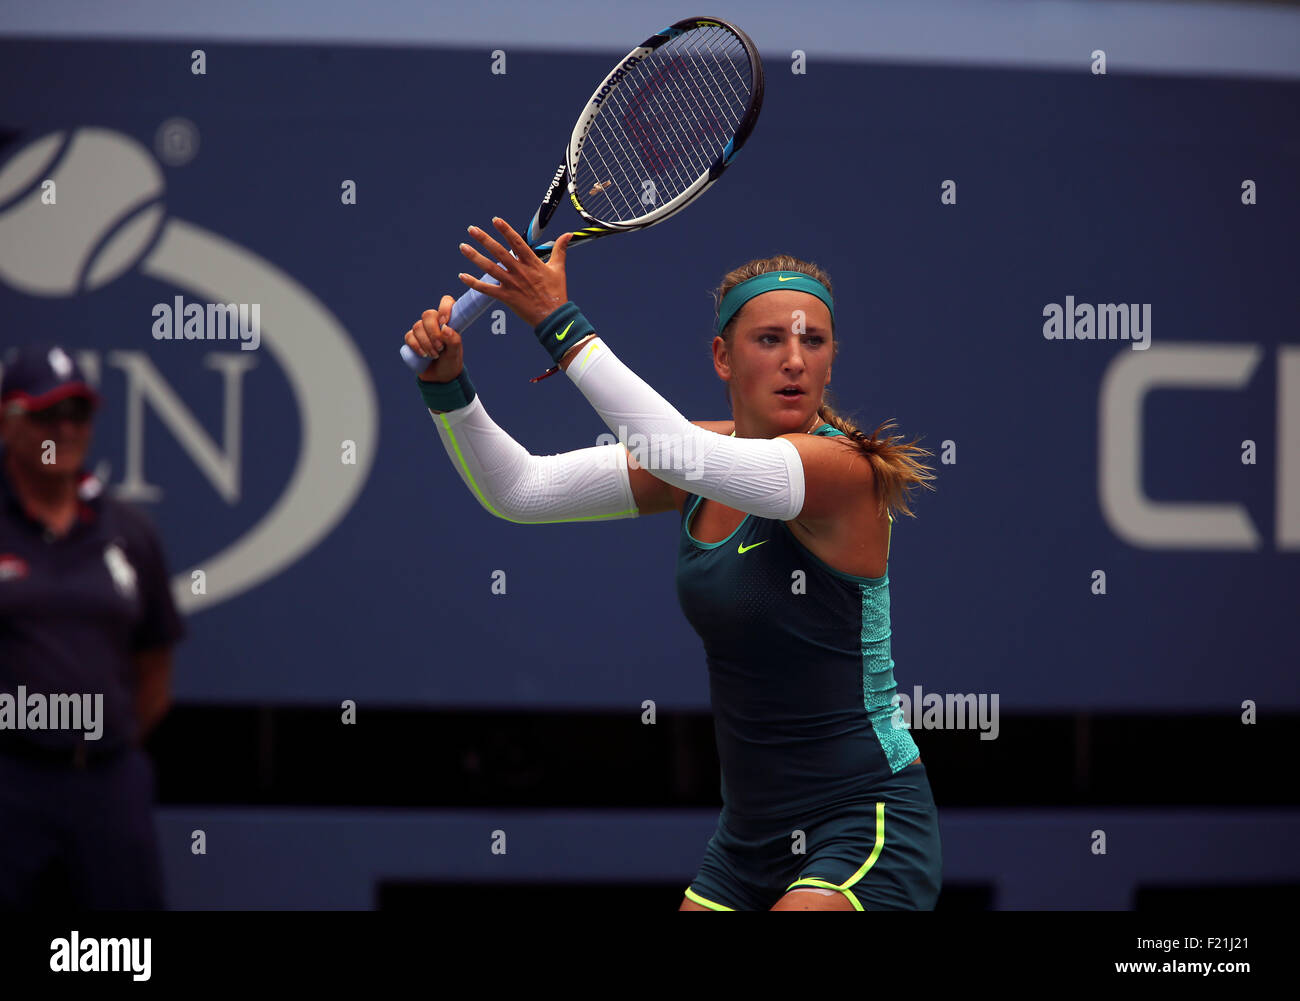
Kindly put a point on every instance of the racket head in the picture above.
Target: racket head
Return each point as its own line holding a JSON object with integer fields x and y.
{"x": 663, "y": 125}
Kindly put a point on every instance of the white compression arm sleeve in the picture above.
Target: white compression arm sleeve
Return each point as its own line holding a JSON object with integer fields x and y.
{"x": 589, "y": 484}
{"x": 761, "y": 476}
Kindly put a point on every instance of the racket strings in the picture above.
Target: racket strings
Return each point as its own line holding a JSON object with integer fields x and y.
{"x": 690, "y": 106}
{"x": 654, "y": 155}
{"x": 617, "y": 157}
{"x": 667, "y": 123}
{"x": 738, "y": 60}
{"x": 701, "y": 118}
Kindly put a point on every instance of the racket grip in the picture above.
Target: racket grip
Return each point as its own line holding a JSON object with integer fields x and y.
{"x": 468, "y": 308}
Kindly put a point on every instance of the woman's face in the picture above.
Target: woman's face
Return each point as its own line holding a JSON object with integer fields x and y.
{"x": 780, "y": 338}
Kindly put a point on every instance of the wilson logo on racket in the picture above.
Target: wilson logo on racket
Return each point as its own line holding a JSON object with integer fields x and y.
{"x": 614, "y": 79}
{"x": 556, "y": 181}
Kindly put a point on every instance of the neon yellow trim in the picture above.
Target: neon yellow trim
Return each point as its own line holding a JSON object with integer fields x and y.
{"x": 484, "y": 501}
{"x": 844, "y": 887}
{"x": 595, "y": 344}
{"x": 880, "y": 846}
{"x": 692, "y": 895}
{"x": 805, "y": 883}
{"x": 813, "y": 881}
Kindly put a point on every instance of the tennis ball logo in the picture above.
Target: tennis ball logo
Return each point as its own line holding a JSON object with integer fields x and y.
{"x": 107, "y": 211}
{"x": 107, "y": 216}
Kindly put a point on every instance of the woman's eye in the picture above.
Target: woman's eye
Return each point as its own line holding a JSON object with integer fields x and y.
{"x": 816, "y": 339}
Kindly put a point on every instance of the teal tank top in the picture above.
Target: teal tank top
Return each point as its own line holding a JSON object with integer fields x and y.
{"x": 800, "y": 674}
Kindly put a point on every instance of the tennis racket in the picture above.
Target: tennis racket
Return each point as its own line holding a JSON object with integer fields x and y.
{"x": 656, "y": 134}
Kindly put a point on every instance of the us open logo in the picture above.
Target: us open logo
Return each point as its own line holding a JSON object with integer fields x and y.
{"x": 109, "y": 220}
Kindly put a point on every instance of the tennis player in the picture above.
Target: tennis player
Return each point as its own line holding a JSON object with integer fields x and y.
{"x": 782, "y": 569}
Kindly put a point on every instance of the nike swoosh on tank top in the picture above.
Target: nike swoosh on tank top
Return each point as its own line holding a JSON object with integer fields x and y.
{"x": 801, "y": 678}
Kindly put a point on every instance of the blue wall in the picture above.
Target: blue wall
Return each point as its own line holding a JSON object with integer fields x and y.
{"x": 1116, "y": 188}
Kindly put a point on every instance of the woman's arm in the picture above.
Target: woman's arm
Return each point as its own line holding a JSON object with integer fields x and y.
{"x": 603, "y": 482}
{"x": 654, "y": 495}
{"x": 589, "y": 484}
{"x": 782, "y": 478}
{"x": 508, "y": 486}
{"x": 760, "y": 476}
{"x": 792, "y": 476}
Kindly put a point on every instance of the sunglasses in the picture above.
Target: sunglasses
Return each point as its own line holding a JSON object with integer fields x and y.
{"x": 77, "y": 409}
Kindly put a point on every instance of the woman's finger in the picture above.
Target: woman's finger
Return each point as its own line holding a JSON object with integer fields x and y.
{"x": 491, "y": 291}
{"x": 417, "y": 344}
{"x": 494, "y": 248}
{"x": 432, "y": 322}
{"x": 427, "y": 331}
{"x": 491, "y": 267}
{"x": 517, "y": 243}
{"x": 560, "y": 251}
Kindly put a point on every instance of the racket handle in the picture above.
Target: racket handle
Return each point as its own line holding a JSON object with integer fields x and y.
{"x": 468, "y": 308}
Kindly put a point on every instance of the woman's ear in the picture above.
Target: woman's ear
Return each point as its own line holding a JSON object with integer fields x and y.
{"x": 721, "y": 358}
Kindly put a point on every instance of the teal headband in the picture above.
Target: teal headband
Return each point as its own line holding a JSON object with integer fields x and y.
{"x": 746, "y": 290}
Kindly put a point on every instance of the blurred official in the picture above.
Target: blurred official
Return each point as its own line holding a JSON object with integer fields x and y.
{"x": 87, "y": 626}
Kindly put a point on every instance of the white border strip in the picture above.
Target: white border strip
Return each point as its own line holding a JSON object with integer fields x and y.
{"x": 1138, "y": 36}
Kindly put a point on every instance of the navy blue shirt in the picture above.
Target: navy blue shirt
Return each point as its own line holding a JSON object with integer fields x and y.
{"x": 801, "y": 681}
{"x": 75, "y": 610}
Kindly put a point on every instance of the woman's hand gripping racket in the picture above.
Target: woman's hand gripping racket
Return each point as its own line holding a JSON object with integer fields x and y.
{"x": 656, "y": 134}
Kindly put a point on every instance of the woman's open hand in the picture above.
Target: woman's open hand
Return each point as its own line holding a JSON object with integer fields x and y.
{"x": 531, "y": 289}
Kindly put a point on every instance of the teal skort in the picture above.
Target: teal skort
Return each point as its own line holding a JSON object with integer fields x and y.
{"x": 882, "y": 853}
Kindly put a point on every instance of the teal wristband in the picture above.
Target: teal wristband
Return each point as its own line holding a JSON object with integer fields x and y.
{"x": 562, "y": 330}
{"x": 448, "y": 395}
